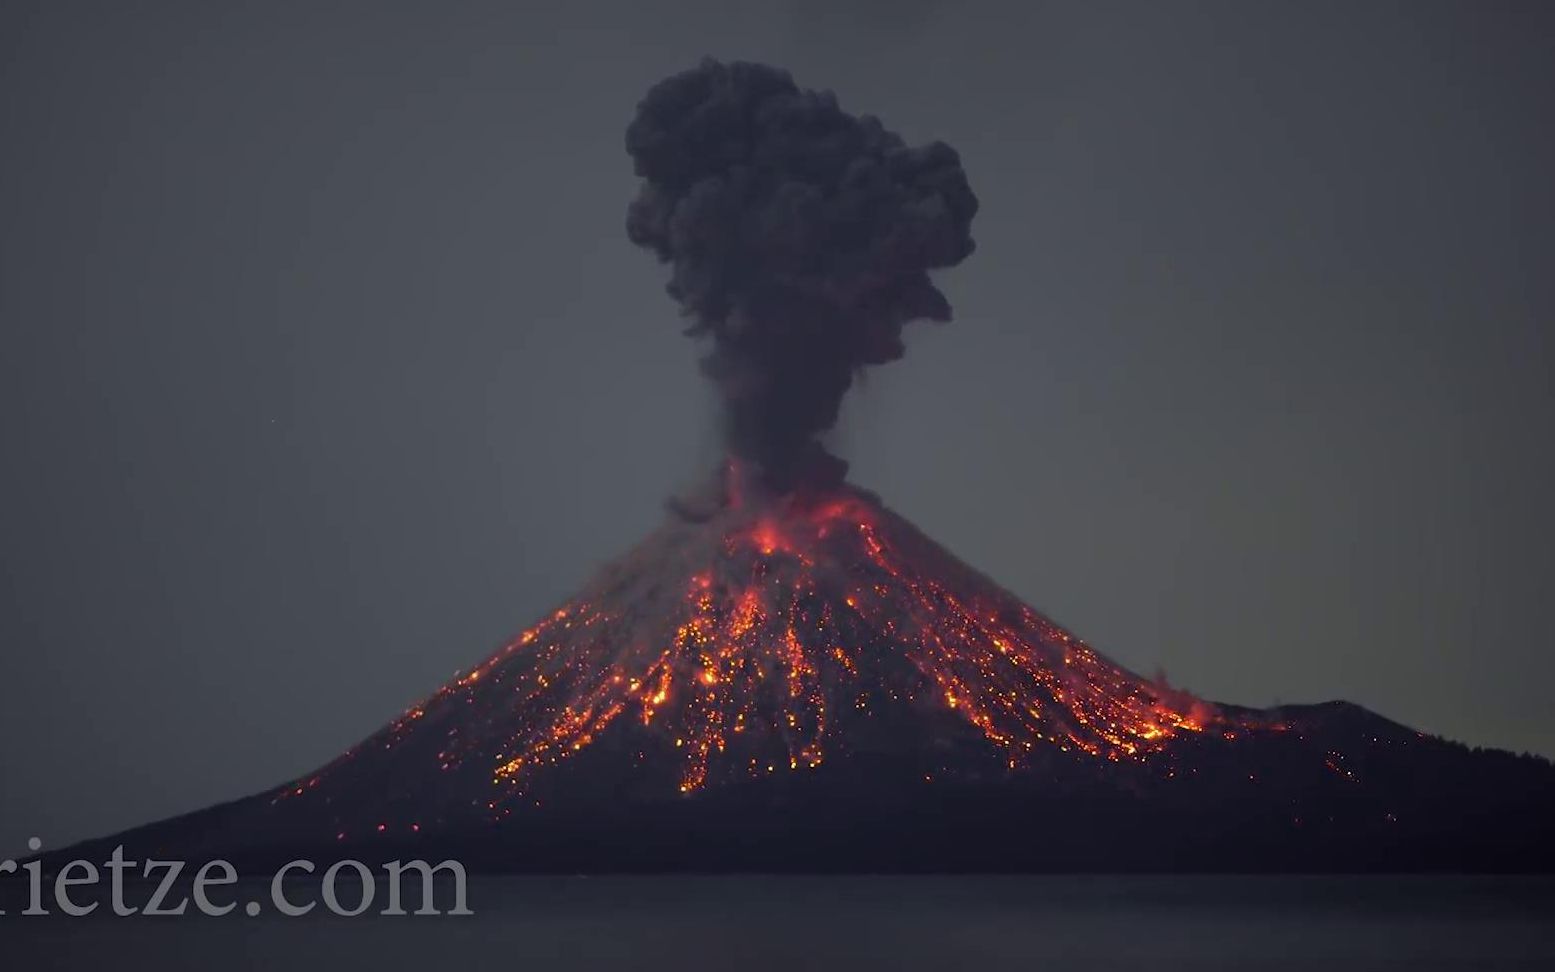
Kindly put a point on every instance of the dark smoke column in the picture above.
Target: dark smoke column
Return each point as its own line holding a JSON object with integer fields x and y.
{"x": 800, "y": 239}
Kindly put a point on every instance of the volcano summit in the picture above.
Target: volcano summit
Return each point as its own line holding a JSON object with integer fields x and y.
{"x": 787, "y": 675}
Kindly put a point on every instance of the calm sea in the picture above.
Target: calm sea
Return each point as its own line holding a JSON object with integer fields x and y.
{"x": 942, "y": 923}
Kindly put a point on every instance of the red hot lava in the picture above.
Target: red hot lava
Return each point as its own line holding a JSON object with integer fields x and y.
{"x": 765, "y": 638}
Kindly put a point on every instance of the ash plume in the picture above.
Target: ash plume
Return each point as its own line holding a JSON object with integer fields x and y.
{"x": 800, "y": 239}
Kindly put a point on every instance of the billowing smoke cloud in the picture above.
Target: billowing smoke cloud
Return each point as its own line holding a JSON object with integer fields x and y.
{"x": 800, "y": 239}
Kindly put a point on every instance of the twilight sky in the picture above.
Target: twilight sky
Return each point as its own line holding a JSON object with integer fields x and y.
{"x": 327, "y": 364}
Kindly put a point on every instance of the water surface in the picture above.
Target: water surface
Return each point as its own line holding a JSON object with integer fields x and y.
{"x": 899, "y": 923}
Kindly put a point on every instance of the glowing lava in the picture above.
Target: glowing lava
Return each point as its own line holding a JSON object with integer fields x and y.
{"x": 766, "y": 639}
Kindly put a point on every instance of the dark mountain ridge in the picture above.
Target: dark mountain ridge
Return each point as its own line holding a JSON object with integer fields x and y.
{"x": 809, "y": 683}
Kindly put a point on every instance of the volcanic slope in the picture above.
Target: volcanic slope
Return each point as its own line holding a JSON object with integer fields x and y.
{"x": 810, "y": 683}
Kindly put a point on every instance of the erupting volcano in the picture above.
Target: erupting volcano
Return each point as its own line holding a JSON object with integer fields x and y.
{"x": 786, "y": 674}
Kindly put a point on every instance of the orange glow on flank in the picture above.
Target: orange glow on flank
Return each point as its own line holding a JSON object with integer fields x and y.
{"x": 764, "y": 637}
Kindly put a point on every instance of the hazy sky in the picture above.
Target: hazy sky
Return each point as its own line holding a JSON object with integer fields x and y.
{"x": 327, "y": 364}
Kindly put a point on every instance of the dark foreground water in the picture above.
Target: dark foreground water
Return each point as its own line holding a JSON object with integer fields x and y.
{"x": 898, "y": 923}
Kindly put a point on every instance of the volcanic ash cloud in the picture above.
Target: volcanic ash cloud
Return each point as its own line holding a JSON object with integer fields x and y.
{"x": 799, "y": 238}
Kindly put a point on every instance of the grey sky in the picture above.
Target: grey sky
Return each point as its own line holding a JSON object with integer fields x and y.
{"x": 327, "y": 363}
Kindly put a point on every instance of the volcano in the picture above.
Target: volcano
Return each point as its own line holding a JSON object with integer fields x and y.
{"x": 787, "y": 675}
{"x": 808, "y": 682}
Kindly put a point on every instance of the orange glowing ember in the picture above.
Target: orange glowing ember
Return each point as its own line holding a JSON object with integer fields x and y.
{"x": 770, "y": 637}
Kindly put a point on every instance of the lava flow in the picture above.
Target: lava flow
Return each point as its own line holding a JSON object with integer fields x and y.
{"x": 767, "y": 638}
